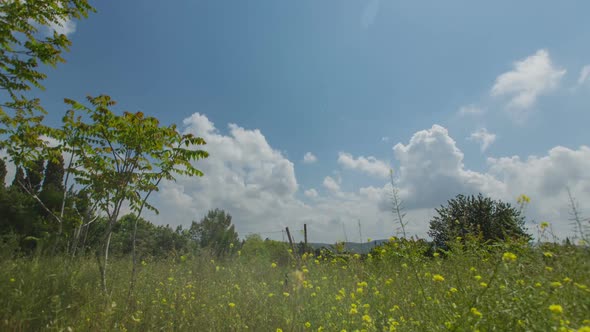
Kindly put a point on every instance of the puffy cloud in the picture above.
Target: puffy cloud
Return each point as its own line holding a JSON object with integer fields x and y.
{"x": 369, "y": 165}
{"x": 547, "y": 176}
{"x": 331, "y": 184}
{"x": 431, "y": 170}
{"x": 309, "y": 158}
{"x": 10, "y": 168}
{"x": 244, "y": 175}
{"x": 311, "y": 193}
{"x": 257, "y": 185}
{"x": 546, "y": 179}
{"x": 471, "y": 110}
{"x": 531, "y": 77}
{"x": 584, "y": 74}
{"x": 66, "y": 27}
{"x": 483, "y": 137}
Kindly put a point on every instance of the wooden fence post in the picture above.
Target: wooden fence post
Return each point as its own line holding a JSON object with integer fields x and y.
{"x": 290, "y": 239}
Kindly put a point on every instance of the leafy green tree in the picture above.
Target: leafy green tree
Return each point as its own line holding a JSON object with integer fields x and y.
{"x": 121, "y": 159}
{"x": 54, "y": 174}
{"x": 25, "y": 53}
{"x": 19, "y": 179}
{"x": 480, "y": 216}
{"x": 24, "y": 49}
{"x": 52, "y": 190}
{"x": 34, "y": 173}
{"x": 215, "y": 232}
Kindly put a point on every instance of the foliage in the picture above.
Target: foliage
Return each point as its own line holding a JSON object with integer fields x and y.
{"x": 122, "y": 158}
{"x": 52, "y": 190}
{"x": 215, "y": 232}
{"x": 482, "y": 217}
{"x": 3, "y": 173}
{"x": 255, "y": 248}
{"x": 152, "y": 240}
{"x": 34, "y": 178}
{"x": 19, "y": 178}
{"x": 504, "y": 287}
{"x": 23, "y": 50}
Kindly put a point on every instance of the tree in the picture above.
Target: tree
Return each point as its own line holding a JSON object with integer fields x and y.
{"x": 54, "y": 175}
{"x": 19, "y": 179}
{"x": 35, "y": 175}
{"x": 25, "y": 51}
{"x": 215, "y": 232}
{"x": 479, "y": 216}
{"x": 24, "y": 48}
{"x": 52, "y": 190}
{"x": 121, "y": 159}
{"x": 3, "y": 173}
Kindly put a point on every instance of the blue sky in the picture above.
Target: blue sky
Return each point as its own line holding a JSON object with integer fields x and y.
{"x": 347, "y": 81}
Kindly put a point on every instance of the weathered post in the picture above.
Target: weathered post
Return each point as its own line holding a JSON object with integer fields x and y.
{"x": 290, "y": 239}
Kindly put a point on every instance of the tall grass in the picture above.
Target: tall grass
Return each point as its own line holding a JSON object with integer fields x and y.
{"x": 508, "y": 287}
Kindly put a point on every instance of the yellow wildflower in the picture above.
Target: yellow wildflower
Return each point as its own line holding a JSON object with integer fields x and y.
{"x": 231, "y": 304}
{"x": 522, "y": 199}
{"x": 508, "y": 257}
{"x": 273, "y": 265}
{"x": 476, "y": 312}
{"x": 438, "y": 277}
{"x": 556, "y": 308}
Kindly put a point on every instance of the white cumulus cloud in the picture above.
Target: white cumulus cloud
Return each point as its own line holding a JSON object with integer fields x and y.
{"x": 309, "y": 158}
{"x": 311, "y": 193}
{"x": 257, "y": 185}
{"x": 483, "y": 137}
{"x": 584, "y": 74}
{"x": 331, "y": 184}
{"x": 531, "y": 77}
{"x": 431, "y": 170}
{"x": 369, "y": 165}
{"x": 66, "y": 27}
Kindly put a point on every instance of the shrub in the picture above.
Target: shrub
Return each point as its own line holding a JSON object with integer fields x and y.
{"x": 482, "y": 217}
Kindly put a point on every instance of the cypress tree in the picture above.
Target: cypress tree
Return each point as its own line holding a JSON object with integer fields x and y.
{"x": 35, "y": 175}
{"x": 19, "y": 178}
{"x": 3, "y": 172}
{"x": 54, "y": 175}
{"x": 53, "y": 188}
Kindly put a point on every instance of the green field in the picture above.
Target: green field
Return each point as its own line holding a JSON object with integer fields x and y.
{"x": 397, "y": 287}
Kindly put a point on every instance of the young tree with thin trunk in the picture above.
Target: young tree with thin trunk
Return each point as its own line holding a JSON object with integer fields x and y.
{"x": 121, "y": 159}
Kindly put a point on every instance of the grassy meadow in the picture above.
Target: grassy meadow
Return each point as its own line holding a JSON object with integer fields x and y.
{"x": 505, "y": 287}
